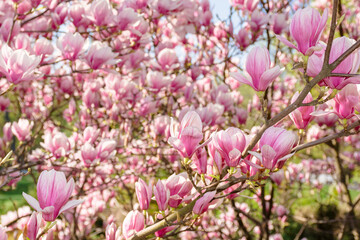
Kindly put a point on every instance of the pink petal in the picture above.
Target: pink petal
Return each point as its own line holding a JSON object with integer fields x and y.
{"x": 252, "y": 164}
{"x": 354, "y": 80}
{"x": 286, "y": 42}
{"x": 256, "y": 154}
{"x": 48, "y": 210}
{"x": 71, "y": 204}
{"x": 268, "y": 154}
{"x": 320, "y": 113}
{"x": 32, "y": 202}
{"x": 268, "y": 76}
{"x": 241, "y": 78}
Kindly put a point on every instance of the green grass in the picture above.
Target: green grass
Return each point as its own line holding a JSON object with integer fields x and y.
{"x": 13, "y": 197}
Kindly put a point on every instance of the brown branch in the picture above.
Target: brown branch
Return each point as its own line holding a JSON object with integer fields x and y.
{"x": 344, "y": 75}
{"x": 342, "y": 133}
{"x": 331, "y": 34}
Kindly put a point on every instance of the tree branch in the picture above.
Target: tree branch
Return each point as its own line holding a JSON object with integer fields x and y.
{"x": 342, "y": 133}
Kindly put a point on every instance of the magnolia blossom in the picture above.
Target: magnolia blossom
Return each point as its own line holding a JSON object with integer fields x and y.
{"x": 17, "y": 65}
{"x": 133, "y": 223}
{"x": 302, "y": 115}
{"x": 350, "y": 65}
{"x": 165, "y": 7}
{"x": 100, "y": 54}
{"x": 260, "y": 75}
{"x": 112, "y": 233}
{"x": 100, "y": 12}
{"x": 343, "y": 105}
{"x": 230, "y": 144}
{"x": 279, "y": 23}
{"x": 306, "y": 28}
{"x": 71, "y": 45}
{"x": 43, "y": 47}
{"x": 3, "y": 235}
{"x": 33, "y": 225}
{"x": 22, "y": 129}
{"x": 143, "y": 193}
{"x": 179, "y": 187}
{"x": 58, "y": 144}
{"x": 200, "y": 160}
{"x": 202, "y": 204}
{"x": 162, "y": 195}
{"x": 188, "y": 136}
{"x": 275, "y": 146}
{"x": 167, "y": 59}
{"x": 53, "y": 192}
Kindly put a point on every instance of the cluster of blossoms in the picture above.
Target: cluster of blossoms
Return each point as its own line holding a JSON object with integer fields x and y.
{"x": 142, "y": 106}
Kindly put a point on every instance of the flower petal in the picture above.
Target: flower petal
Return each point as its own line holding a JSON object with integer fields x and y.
{"x": 71, "y": 204}
{"x": 286, "y": 42}
{"x": 32, "y": 202}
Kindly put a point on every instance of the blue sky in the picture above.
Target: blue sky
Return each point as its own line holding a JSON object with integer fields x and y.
{"x": 220, "y": 7}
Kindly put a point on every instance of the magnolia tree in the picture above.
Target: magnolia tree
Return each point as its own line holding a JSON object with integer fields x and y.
{"x": 144, "y": 119}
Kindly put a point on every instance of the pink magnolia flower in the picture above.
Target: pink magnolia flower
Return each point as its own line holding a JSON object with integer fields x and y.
{"x": 276, "y": 236}
{"x": 242, "y": 38}
{"x": 165, "y": 7}
{"x": 112, "y": 233}
{"x": 100, "y": 54}
{"x": 162, "y": 232}
{"x": 7, "y": 27}
{"x": 3, "y": 235}
{"x": 162, "y": 195}
{"x": 88, "y": 154}
{"x": 200, "y": 160}
{"x": 216, "y": 160}
{"x": 17, "y": 65}
{"x": 302, "y": 115}
{"x": 53, "y": 192}
{"x": 4, "y": 103}
{"x": 343, "y": 105}
{"x": 22, "y": 41}
{"x": 143, "y": 193}
{"x": 101, "y": 12}
{"x": 279, "y": 23}
{"x": 306, "y": 28}
{"x": 278, "y": 176}
{"x": 202, "y": 204}
{"x": 33, "y": 225}
{"x": 258, "y": 19}
{"x": 125, "y": 18}
{"x": 230, "y": 144}
{"x": 248, "y": 5}
{"x": 77, "y": 12}
{"x": 156, "y": 81}
{"x": 327, "y": 119}
{"x": 133, "y": 223}
{"x": 178, "y": 83}
{"x": 22, "y": 129}
{"x": 187, "y": 138}
{"x": 137, "y": 4}
{"x": 167, "y": 59}
{"x": 7, "y": 133}
{"x": 70, "y": 45}
{"x": 91, "y": 134}
{"x": 350, "y": 65}
{"x": 258, "y": 69}
{"x": 58, "y": 144}
{"x": 43, "y": 47}
{"x": 275, "y": 146}
{"x": 106, "y": 149}
{"x": 346, "y": 101}
{"x": 179, "y": 187}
